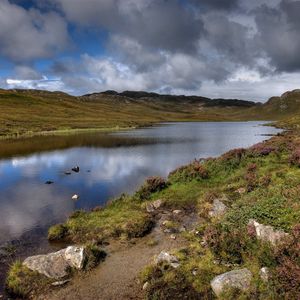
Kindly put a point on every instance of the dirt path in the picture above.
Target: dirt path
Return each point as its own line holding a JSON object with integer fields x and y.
{"x": 117, "y": 277}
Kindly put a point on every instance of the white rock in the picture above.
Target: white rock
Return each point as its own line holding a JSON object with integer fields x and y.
{"x": 75, "y": 257}
{"x": 157, "y": 203}
{"x": 264, "y": 274}
{"x": 173, "y": 236}
{"x": 168, "y": 258}
{"x": 75, "y": 197}
{"x": 177, "y": 211}
{"x": 267, "y": 233}
{"x": 239, "y": 279}
{"x": 56, "y": 264}
{"x": 146, "y": 285}
{"x": 218, "y": 208}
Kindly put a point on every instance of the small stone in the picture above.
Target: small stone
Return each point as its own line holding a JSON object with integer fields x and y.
{"x": 195, "y": 272}
{"x": 76, "y": 169}
{"x": 241, "y": 190}
{"x": 150, "y": 208}
{"x": 264, "y": 274}
{"x": 168, "y": 258}
{"x": 60, "y": 283}
{"x": 75, "y": 197}
{"x": 177, "y": 211}
{"x": 146, "y": 285}
{"x": 167, "y": 230}
{"x": 173, "y": 236}
{"x": 218, "y": 208}
{"x": 182, "y": 229}
{"x": 157, "y": 203}
{"x": 49, "y": 182}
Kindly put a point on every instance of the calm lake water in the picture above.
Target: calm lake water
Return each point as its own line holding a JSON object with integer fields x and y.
{"x": 110, "y": 164}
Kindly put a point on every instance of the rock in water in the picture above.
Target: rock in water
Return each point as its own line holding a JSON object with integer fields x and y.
{"x": 75, "y": 197}
{"x": 76, "y": 169}
{"x": 49, "y": 182}
{"x": 56, "y": 264}
{"x": 238, "y": 279}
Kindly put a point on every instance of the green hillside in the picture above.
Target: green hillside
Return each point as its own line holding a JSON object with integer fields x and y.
{"x": 24, "y": 112}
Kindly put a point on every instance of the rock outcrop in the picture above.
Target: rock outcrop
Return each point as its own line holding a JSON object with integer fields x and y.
{"x": 267, "y": 233}
{"x": 237, "y": 279}
{"x": 57, "y": 264}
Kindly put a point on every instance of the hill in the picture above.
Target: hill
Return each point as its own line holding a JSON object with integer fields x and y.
{"x": 25, "y": 112}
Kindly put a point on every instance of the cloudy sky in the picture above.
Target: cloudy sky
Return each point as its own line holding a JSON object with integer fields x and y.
{"x": 216, "y": 48}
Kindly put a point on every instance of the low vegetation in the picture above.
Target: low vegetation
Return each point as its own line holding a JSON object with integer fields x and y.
{"x": 260, "y": 183}
{"x": 32, "y": 112}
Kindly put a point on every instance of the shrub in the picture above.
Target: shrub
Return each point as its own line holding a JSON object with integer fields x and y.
{"x": 295, "y": 158}
{"x": 57, "y": 232}
{"x": 235, "y": 154}
{"x": 251, "y": 177}
{"x": 22, "y": 282}
{"x": 94, "y": 255}
{"x": 138, "y": 228}
{"x": 152, "y": 185}
{"x": 195, "y": 170}
{"x": 227, "y": 243}
{"x": 287, "y": 273}
{"x": 262, "y": 149}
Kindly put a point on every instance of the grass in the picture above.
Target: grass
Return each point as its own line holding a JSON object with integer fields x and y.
{"x": 29, "y": 113}
{"x": 272, "y": 196}
{"x": 268, "y": 174}
{"x": 24, "y": 283}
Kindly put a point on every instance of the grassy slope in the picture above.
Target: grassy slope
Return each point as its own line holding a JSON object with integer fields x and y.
{"x": 25, "y": 112}
{"x": 270, "y": 175}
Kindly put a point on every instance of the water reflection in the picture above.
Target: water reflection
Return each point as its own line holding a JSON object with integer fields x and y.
{"x": 109, "y": 165}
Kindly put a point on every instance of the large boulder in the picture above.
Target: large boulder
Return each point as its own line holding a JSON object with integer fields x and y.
{"x": 57, "y": 264}
{"x": 218, "y": 208}
{"x": 267, "y": 233}
{"x": 236, "y": 279}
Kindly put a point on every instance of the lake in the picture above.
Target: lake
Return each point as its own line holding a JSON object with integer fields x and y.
{"x": 110, "y": 164}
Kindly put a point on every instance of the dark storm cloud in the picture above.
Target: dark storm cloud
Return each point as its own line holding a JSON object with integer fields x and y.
{"x": 217, "y": 4}
{"x": 160, "y": 24}
{"x": 278, "y": 34}
{"x": 162, "y": 45}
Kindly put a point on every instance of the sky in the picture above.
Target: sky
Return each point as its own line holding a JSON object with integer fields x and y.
{"x": 215, "y": 48}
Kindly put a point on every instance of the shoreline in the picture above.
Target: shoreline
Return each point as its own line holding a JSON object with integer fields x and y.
{"x": 117, "y": 128}
{"x": 137, "y": 210}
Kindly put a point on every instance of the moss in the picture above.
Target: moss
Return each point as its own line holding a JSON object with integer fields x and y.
{"x": 24, "y": 283}
{"x": 94, "y": 255}
{"x": 57, "y": 232}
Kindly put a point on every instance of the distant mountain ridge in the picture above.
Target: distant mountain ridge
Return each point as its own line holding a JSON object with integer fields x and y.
{"x": 26, "y": 112}
{"x": 208, "y": 102}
